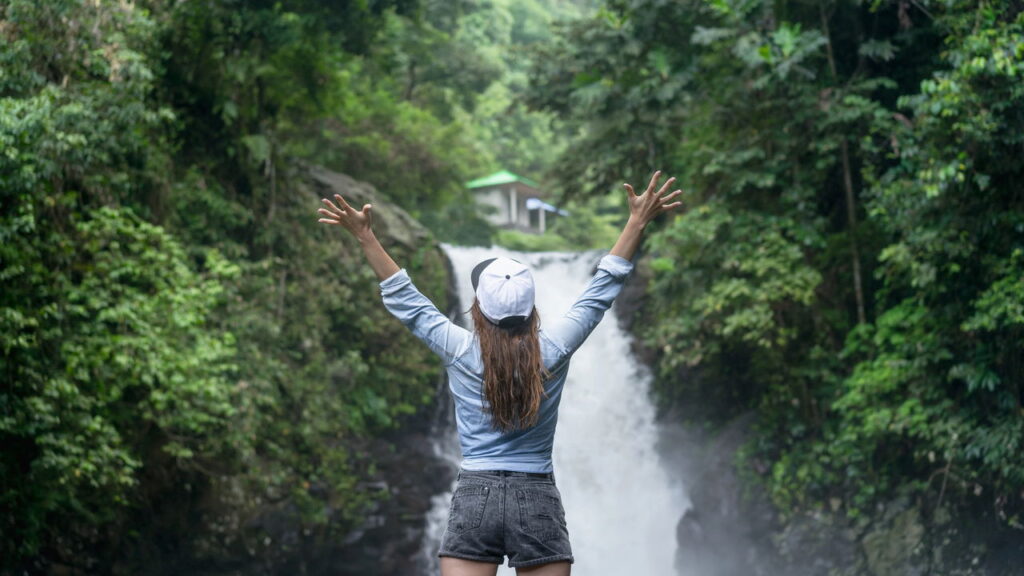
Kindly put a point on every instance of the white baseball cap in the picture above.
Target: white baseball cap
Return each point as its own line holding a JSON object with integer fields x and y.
{"x": 504, "y": 289}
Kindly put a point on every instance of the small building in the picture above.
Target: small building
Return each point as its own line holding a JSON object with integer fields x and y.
{"x": 512, "y": 201}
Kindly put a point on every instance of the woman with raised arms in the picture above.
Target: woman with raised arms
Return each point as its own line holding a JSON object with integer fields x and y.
{"x": 506, "y": 377}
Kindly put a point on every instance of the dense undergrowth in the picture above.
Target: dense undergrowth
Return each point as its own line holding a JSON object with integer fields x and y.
{"x": 851, "y": 263}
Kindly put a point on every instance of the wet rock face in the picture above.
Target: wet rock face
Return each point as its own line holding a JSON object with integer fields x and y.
{"x": 733, "y": 529}
{"x": 724, "y": 531}
{"x": 408, "y": 473}
{"x": 392, "y": 225}
{"x": 390, "y": 542}
{"x": 895, "y": 548}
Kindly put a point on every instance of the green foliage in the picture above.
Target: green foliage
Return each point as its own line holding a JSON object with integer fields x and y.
{"x": 749, "y": 292}
{"x": 515, "y": 240}
{"x": 467, "y": 62}
{"x": 175, "y": 326}
{"x": 1001, "y": 305}
{"x": 172, "y": 319}
{"x": 71, "y": 114}
{"x": 956, "y": 223}
{"x": 593, "y": 225}
{"x": 850, "y": 261}
{"x": 108, "y": 355}
{"x": 275, "y": 88}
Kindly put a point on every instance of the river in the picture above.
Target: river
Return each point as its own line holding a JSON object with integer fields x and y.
{"x": 622, "y": 503}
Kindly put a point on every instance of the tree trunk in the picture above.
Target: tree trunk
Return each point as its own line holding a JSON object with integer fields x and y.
{"x": 851, "y": 205}
{"x": 851, "y": 219}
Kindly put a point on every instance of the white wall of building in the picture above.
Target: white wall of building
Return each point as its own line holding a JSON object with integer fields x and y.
{"x": 505, "y": 206}
{"x": 495, "y": 206}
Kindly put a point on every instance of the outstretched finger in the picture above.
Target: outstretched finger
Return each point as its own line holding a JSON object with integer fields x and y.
{"x": 654, "y": 181}
{"x": 329, "y": 221}
{"x": 329, "y": 213}
{"x": 334, "y": 210}
{"x": 344, "y": 205}
{"x": 668, "y": 197}
{"x": 665, "y": 207}
{"x": 632, "y": 193}
{"x": 668, "y": 183}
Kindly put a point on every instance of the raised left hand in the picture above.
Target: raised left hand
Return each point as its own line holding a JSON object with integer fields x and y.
{"x": 358, "y": 222}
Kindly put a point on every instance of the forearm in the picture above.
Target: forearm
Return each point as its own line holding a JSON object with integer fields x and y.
{"x": 629, "y": 240}
{"x": 570, "y": 330}
{"x": 381, "y": 262}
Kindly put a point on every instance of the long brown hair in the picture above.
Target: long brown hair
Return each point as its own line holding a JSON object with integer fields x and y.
{"x": 514, "y": 371}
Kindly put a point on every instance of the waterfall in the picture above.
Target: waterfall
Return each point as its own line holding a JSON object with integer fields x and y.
{"x": 621, "y": 503}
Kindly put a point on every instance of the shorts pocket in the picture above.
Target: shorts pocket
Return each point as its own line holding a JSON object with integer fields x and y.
{"x": 467, "y": 511}
{"x": 540, "y": 511}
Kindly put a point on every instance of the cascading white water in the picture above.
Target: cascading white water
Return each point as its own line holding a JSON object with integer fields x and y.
{"x": 621, "y": 504}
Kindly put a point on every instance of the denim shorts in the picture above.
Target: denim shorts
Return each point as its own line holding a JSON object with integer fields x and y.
{"x": 497, "y": 513}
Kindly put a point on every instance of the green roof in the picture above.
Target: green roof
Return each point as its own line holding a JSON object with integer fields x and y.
{"x": 500, "y": 177}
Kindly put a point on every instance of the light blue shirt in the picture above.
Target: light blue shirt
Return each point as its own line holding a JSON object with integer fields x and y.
{"x": 483, "y": 446}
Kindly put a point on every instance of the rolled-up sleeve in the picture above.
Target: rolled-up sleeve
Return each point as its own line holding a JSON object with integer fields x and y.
{"x": 422, "y": 318}
{"x": 571, "y": 330}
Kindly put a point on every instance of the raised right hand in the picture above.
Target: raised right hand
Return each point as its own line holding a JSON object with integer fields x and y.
{"x": 645, "y": 207}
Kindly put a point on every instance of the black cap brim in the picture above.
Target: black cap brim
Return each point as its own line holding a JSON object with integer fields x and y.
{"x": 512, "y": 321}
{"x": 478, "y": 270}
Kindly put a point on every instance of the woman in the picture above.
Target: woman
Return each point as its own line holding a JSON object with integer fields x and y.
{"x": 506, "y": 378}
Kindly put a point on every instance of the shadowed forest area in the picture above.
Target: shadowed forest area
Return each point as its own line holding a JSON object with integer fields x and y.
{"x": 185, "y": 354}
